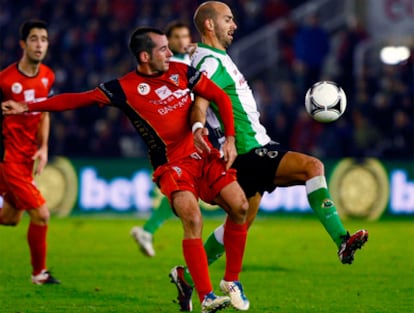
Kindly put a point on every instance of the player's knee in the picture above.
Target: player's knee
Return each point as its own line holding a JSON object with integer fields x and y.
{"x": 192, "y": 219}
{"x": 314, "y": 167}
{"x": 244, "y": 206}
{"x": 40, "y": 216}
{"x": 239, "y": 212}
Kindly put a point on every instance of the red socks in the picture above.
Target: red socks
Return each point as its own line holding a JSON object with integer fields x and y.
{"x": 196, "y": 260}
{"x": 36, "y": 237}
{"x": 234, "y": 243}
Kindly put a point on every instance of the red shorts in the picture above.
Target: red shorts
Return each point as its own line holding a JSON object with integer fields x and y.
{"x": 17, "y": 186}
{"x": 205, "y": 176}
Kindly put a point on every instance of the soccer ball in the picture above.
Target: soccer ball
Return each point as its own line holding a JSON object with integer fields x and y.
{"x": 325, "y": 101}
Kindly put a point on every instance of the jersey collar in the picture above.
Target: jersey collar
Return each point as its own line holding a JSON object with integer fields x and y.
{"x": 202, "y": 45}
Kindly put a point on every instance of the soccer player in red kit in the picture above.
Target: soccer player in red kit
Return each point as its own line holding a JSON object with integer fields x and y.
{"x": 156, "y": 98}
{"x": 24, "y": 139}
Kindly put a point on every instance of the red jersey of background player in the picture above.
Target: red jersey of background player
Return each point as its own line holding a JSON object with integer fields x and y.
{"x": 18, "y": 139}
{"x": 156, "y": 106}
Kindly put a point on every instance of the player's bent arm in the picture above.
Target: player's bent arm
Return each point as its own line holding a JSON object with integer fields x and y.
{"x": 198, "y": 120}
{"x": 229, "y": 150}
{"x": 199, "y": 110}
{"x": 209, "y": 90}
{"x": 44, "y": 129}
{"x": 42, "y": 137}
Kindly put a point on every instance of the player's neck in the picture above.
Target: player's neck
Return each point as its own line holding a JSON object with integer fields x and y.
{"x": 28, "y": 68}
{"x": 212, "y": 42}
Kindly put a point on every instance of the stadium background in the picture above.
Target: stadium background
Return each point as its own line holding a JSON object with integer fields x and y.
{"x": 371, "y": 146}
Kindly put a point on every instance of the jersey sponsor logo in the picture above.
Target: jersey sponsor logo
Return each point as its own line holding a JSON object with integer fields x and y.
{"x": 169, "y": 108}
{"x": 174, "y": 78}
{"x": 143, "y": 89}
{"x": 45, "y": 81}
{"x": 40, "y": 99}
{"x": 163, "y": 92}
{"x": 181, "y": 93}
{"x": 29, "y": 95}
{"x": 17, "y": 88}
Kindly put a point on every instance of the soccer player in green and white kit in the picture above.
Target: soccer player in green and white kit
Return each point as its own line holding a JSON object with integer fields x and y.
{"x": 261, "y": 164}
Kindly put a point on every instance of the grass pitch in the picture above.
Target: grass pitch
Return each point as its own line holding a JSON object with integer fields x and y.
{"x": 290, "y": 265}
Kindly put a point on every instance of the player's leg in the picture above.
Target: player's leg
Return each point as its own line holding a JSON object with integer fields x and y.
{"x": 36, "y": 238}
{"x": 214, "y": 244}
{"x": 144, "y": 235}
{"x": 233, "y": 200}
{"x": 188, "y": 210}
{"x": 26, "y": 197}
{"x": 180, "y": 188}
{"x": 298, "y": 168}
{"x": 214, "y": 247}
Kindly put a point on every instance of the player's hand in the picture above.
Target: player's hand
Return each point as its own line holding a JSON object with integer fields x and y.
{"x": 229, "y": 151}
{"x": 41, "y": 157}
{"x": 199, "y": 140}
{"x": 13, "y": 107}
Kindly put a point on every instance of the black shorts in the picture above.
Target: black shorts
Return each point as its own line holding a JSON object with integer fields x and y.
{"x": 256, "y": 170}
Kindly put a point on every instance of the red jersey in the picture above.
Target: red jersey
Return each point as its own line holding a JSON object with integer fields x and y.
{"x": 158, "y": 107}
{"x": 18, "y": 139}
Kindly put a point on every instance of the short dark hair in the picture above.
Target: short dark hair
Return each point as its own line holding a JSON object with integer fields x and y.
{"x": 27, "y": 26}
{"x": 141, "y": 41}
{"x": 174, "y": 25}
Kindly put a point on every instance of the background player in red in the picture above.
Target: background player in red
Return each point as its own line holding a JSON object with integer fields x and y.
{"x": 23, "y": 140}
{"x": 156, "y": 97}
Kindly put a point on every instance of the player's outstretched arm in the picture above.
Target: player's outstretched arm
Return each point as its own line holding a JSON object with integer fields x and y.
{"x": 62, "y": 102}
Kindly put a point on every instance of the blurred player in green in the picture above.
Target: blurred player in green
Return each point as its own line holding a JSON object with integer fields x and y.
{"x": 179, "y": 38}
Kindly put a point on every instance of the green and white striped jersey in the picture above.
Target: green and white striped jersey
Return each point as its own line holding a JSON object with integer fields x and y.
{"x": 219, "y": 67}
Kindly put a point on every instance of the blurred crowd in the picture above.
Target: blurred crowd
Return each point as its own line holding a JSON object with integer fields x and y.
{"x": 88, "y": 45}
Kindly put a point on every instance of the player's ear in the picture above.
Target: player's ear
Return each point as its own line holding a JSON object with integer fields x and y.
{"x": 209, "y": 24}
{"x": 22, "y": 44}
{"x": 144, "y": 56}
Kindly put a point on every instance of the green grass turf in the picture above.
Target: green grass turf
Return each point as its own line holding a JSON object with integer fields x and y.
{"x": 290, "y": 265}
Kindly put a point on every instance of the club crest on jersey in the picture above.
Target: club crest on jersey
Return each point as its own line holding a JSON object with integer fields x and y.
{"x": 17, "y": 88}
{"x": 174, "y": 79}
{"x": 143, "y": 89}
{"x": 45, "y": 81}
